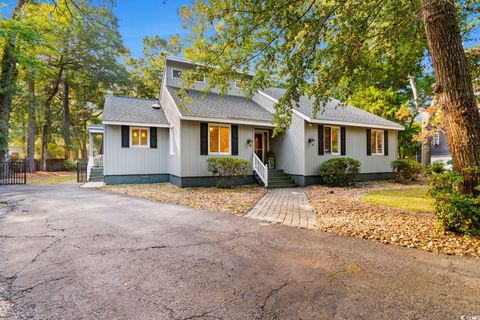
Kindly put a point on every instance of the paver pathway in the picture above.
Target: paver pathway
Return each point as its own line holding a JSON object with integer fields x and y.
{"x": 288, "y": 206}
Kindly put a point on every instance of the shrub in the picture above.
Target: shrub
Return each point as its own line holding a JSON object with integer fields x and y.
{"x": 225, "y": 167}
{"x": 70, "y": 165}
{"x": 455, "y": 211}
{"x": 406, "y": 170}
{"x": 435, "y": 168}
{"x": 339, "y": 171}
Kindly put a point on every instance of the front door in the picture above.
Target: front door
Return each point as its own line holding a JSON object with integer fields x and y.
{"x": 261, "y": 144}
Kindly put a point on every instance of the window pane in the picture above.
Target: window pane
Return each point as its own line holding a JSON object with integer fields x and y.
{"x": 379, "y": 141}
{"x": 135, "y": 137}
{"x": 176, "y": 73}
{"x": 334, "y": 140}
{"x": 224, "y": 139}
{"x": 144, "y": 137}
{"x": 213, "y": 139}
{"x": 373, "y": 141}
{"x": 327, "y": 144}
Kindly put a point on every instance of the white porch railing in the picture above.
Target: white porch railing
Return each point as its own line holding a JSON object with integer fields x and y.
{"x": 89, "y": 167}
{"x": 261, "y": 169}
{"x": 98, "y": 161}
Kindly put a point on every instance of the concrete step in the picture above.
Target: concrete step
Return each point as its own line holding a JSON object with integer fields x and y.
{"x": 281, "y": 185}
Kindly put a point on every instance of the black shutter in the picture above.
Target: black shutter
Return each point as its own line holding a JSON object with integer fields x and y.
{"x": 369, "y": 142}
{"x": 153, "y": 137}
{"x": 385, "y": 142}
{"x": 125, "y": 136}
{"x": 343, "y": 141}
{"x": 320, "y": 140}
{"x": 234, "y": 140}
{"x": 203, "y": 139}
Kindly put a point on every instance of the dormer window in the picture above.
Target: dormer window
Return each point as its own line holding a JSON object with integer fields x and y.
{"x": 239, "y": 83}
{"x": 177, "y": 74}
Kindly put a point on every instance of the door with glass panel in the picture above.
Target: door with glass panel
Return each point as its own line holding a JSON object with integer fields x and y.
{"x": 261, "y": 144}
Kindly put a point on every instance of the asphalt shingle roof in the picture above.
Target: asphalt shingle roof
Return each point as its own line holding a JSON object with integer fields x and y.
{"x": 213, "y": 105}
{"x": 334, "y": 110}
{"x": 132, "y": 110}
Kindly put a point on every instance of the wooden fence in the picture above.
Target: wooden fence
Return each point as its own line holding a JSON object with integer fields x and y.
{"x": 13, "y": 172}
{"x": 52, "y": 165}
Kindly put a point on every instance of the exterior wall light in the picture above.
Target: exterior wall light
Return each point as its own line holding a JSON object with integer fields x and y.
{"x": 311, "y": 141}
{"x": 249, "y": 142}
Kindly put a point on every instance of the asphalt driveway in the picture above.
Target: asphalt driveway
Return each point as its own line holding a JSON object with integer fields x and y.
{"x": 71, "y": 253}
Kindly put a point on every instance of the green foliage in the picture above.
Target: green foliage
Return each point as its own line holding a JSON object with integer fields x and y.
{"x": 436, "y": 167}
{"x": 339, "y": 171}
{"x": 455, "y": 211}
{"x": 406, "y": 170}
{"x": 225, "y": 167}
{"x": 70, "y": 165}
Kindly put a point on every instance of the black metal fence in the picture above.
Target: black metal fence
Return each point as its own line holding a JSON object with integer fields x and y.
{"x": 13, "y": 172}
{"x": 82, "y": 171}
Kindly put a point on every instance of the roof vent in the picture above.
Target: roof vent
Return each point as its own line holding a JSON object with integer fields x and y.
{"x": 156, "y": 106}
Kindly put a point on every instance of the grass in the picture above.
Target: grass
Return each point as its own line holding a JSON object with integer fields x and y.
{"x": 52, "y": 177}
{"x": 414, "y": 199}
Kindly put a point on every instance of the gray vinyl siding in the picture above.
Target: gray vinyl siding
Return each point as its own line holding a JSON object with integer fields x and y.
{"x": 264, "y": 102}
{"x": 174, "y": 82}
{"x": 194, "y": 164}
{"x": 356, "y": 147}
{"x": 173, "y": 117}
{"x": 127, "y": 161}
{"x": 289, "y": 147}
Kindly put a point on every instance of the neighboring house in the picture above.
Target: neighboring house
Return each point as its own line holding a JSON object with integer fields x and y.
{"x": 156, "y": 141}
{"x": 440, "y": 151}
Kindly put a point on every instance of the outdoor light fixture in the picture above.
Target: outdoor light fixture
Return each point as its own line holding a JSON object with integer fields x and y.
{"x": 249, "y": 142}
{"x": 311, "y": 141}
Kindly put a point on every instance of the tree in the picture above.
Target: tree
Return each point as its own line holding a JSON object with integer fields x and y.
{"x": 324, "y": 48}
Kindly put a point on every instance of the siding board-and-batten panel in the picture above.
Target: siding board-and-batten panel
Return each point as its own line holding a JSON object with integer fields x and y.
{"x": 131, "y": 161}
{"x": 172, "y": 114}
{"x": 194, "y": 164}
{"x": 356, "y": 147}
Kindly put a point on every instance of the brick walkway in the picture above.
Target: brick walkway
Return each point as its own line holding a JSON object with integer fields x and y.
{"x": 287, "y": 206}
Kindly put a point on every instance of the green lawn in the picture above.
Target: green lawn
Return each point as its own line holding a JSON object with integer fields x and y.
{"x": 415, "y": 199}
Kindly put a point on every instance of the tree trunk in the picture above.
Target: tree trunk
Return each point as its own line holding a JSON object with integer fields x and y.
{"x": 454, "y": 87}
{"x": 426, "y": 140}
{"x": 48, "y": 118}
{"x": 31, "y": 126}
{"x": 8, "y": 78}
{"x": 66, "y": 119}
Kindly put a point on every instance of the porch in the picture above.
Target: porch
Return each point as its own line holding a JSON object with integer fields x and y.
{"x": 95, "y": 153}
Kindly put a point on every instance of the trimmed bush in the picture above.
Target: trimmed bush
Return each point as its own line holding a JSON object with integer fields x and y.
{"x": 406, "y": 170}
{"x": 224, "y": 167}
{"x": 70, "y": 165}
{"x": 455, "y": 211}
{"x": 339, "y": 171}
{"x": 436, "y": 167}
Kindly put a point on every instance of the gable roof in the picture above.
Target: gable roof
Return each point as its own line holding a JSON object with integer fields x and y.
{"x": 336, "y": 112}
{"x": 216, "y": 106}
{"x": 134, "y": 111}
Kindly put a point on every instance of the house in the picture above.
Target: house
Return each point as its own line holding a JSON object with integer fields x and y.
{"x": 440, "y": 151}
{"x": 148, "y": 141}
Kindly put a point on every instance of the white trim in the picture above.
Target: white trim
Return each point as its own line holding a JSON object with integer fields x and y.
{"x": 333, "y": 122}
{"x": 136, "y": 124}
{"x": 229, "y": 121}
{"x": 171, "y": 140}
{"x": 139, "y": 145}
{"x": 265, "y": 144}
{"x": 183, "y": 60}
{"x": 383, "y": 142}
{"x": 173, "y": 101}
{"x": 225, "y": 125}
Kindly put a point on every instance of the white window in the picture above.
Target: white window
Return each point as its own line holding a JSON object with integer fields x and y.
{"x": 377, "y": 142}
{"x": 172, "y": 141}
{"x": 139, "y": 137}
{"x": 177, "y": 74}
{"x": 436, "y": 139}
{"x": 218, "y": 139}
{"x": 331, "y": 140}
{"x": 239, "y": 83}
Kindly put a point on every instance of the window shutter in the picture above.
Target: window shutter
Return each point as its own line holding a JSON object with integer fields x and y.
{"x": 320, "y": 140}
{"x": 369, "y": 142}
{"x": 385, "y": 142}
{"x": 234, "y": 134}
{"x": 343, "y": 141}
{"x": 153, "y": 137}
{"x": 203, "y": 139}
{"x": 125, "y": 136}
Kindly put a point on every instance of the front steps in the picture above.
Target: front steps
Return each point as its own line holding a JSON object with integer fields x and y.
{"x": 96, "y": 174}
{"x": 277, "y": 179}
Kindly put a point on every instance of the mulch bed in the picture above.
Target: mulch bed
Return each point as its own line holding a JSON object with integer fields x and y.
{"x": 238, "y": 200}
{"x": 340, "y": 211}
